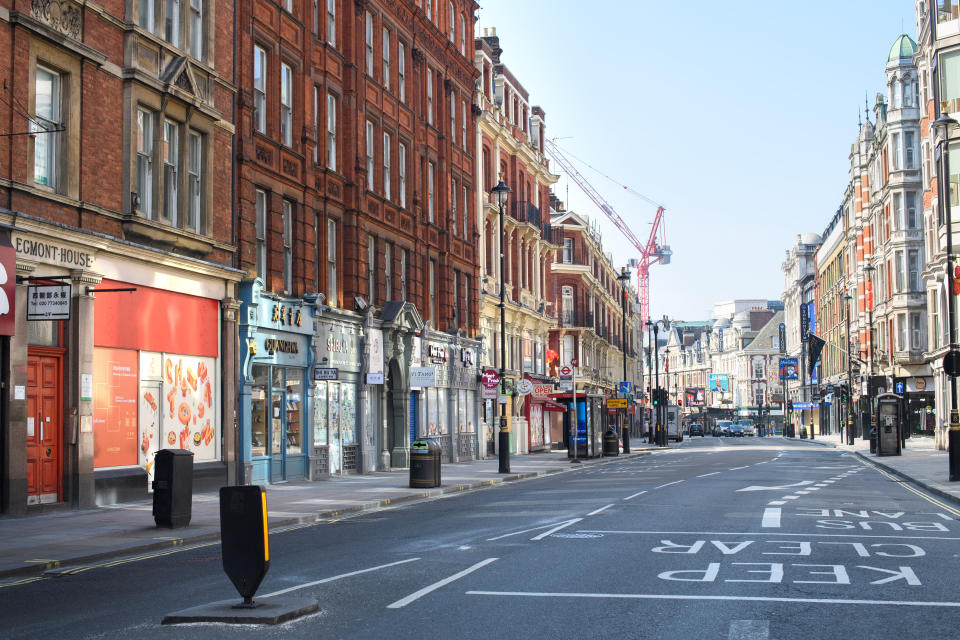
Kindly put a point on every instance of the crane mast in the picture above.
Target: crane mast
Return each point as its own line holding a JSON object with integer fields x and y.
{"x": 650, "y": 254}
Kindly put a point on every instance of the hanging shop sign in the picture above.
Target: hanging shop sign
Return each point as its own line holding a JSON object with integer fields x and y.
{"x": 375, "y": 356}
{"x": 48, "y": 302}
{"x": 423, "y": 377}
{"x": 325, "y": 373}
{"x": 437, "y": 353}
{"x": 8, "y": 288}
{"x": 542, "y": 390}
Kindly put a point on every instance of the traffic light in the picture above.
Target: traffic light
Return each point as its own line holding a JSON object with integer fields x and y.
{"x": 656, "y": 397}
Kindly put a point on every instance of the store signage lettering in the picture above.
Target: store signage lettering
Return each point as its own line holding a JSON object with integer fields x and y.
{"x": 52, "y": 253}
{"x": 436, "y": 353}
{"x": 338, "y": 345}
{"x": 48, "y": 302}
{"x": 466, "y": 357}
{"x": 283, "y": 346}
{"x": 287, "y": 315}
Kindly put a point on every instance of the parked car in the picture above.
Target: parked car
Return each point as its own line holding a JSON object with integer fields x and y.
{"x": 696, "y": 429}
{"x": 736, "y": 430}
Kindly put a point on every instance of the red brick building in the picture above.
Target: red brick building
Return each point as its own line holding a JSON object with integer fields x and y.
{"x": 115, "y": 174}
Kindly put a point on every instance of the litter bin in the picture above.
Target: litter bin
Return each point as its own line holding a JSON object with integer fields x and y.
{"x": 424, "y": 464}
{"x": 173, "y": 488}
{"x": 803, "y": 433}
{"x": 611, "y": 443}
{"x": 873, "y": 439}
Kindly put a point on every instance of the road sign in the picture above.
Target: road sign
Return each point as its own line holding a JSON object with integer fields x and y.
{"x": 616, "y": 403}
{"x": 899, "y": 387}
{"x": 566, "y": 385}
{"x": 574, "y": 362}
{"x": 565, "y": 370}
{"x": 524, "y": 387}
{"x": 624, "y": 386}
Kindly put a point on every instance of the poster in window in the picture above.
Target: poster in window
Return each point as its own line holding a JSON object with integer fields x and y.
{"x": 536, "y": 425}
{"x": 115, "y": 389}
{"x": 189, "y": 407}
{"x": 149, "y": 432}
{"x": 348, "y": 417}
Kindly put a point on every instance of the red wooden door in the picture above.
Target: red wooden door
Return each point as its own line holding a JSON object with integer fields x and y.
{"x": 44, "y": 429}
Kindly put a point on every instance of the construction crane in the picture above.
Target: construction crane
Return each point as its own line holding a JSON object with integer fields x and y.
{"x": 652, "y": 252}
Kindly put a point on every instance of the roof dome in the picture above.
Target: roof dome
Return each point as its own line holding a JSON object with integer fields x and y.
{"x": 742, "y": 320}
{"x": 903, "y": 47}
{"x": 721, "y": 323}
{"x": 810, "y": 238}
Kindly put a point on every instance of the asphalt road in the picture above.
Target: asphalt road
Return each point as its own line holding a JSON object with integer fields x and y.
{"x": 719, "y": 538}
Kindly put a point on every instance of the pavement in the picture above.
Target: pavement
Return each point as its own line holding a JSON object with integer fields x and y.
{"x": 62, "y": 542}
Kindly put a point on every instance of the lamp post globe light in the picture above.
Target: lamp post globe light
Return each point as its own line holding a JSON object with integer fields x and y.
{"x": 500, "y": 192}
{"x": 624, "y": 278}
{"x": 942, "y": 126}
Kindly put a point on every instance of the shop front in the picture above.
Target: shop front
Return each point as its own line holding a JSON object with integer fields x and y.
{"x": 276, "y": 335}
{"x": 449, "y": 407}
{"x": 118, "y": 351}
{"x": 400, "y": 325}
{"x": 336, "y": 393}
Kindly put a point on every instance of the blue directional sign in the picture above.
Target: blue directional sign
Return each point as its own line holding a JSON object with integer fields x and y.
{"x": 624, "y": 386}
{"x": 899, "y": 387}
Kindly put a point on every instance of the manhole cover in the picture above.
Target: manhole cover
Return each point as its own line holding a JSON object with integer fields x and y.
{"x": 577, "y": 535}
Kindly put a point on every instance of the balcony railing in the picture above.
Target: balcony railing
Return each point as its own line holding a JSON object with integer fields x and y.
{"x": 525, "y": 211}
{"x": 575, "y": 318}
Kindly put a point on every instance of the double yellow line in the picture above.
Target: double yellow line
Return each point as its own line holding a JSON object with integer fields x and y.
{"x": 903, "y": 483}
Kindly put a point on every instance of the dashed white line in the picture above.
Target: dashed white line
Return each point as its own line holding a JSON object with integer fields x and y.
{"x": 596, "y": 511}
{"x": 790, "y": 497}
{"x": 639, "y": 493}
{"x": 777, "y": 502}
{"x": 708, "y": 474}
{"x": 736, "y": 468}
{"x": 338, "y": 577}
{"x": 416, "y": 595}
{"x": 771, "y": 518}
{"x": 668, "y": 484}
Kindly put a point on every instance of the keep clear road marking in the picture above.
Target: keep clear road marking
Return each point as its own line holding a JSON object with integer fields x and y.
{"x": 416, "y": 595}
{"x": 339, "y": 577}
{"x": 672, "y": 596}
{"x": 771, "y": 518}
{"x": 749, "y": 630}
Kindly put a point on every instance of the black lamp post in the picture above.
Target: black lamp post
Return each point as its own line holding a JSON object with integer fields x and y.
{"x": 869, "y": 269}
{"x": 501, "y": 191}
{"x": 651, "y": 420}
{"x": 664, "y": 436}
{"x": 656, "y": 376}
{"x": 952, "y": 358}
{"x": 847, "y": 298}
{"x": 624, "y": 277}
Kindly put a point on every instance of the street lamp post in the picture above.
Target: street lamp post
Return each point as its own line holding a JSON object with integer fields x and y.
{"x": 847, "y": 298}
{"x": 869, "y": 269}
{"x": 651, "y": 421}
{"x": 624, "y": 277}
{"x": 944, "y": 122}
{"x": 501, "y": 191}
{"x": 664, "y": 437}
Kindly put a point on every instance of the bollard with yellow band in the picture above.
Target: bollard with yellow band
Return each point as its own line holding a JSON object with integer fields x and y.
{"x": 244, "y": 539}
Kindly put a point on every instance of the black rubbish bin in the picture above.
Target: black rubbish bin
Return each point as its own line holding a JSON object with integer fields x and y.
{"x": 873, "y": 439}
{"x": 173, "y": 488}
{"x": 424, "y": 464}
{"x": 611, "y": 443}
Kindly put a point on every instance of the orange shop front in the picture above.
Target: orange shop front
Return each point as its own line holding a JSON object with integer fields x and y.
{"x": 155, "y": 385}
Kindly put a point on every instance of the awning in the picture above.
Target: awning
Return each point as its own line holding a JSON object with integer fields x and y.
{"x": 550, "y": 405}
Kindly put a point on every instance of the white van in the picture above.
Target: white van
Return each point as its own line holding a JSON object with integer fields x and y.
{"x": 673, "y": 424}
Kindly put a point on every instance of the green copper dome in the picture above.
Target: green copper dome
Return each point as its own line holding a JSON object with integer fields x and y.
{"x": 904, "y": 47}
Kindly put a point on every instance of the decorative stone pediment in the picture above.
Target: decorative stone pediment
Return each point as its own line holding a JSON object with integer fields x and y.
{"x": 180, "y": 75}
{"x": 60, "y": 15}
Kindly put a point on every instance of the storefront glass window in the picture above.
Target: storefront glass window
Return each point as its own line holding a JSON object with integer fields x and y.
{"x": 443, "y": 410}
{"x": 294, "y": 411}
{"x": 348, "y": 424}
{"x": 462, "y": 411}
{"x": 319, "y": 414}
{"x": 471, "y": 413}
{"x": 333, "y": 402}
{"x": 433, "y": 423}
{"x": 258, "y": 420}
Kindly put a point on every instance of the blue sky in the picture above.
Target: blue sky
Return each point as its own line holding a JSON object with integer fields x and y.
{"x": 737, "y": 116}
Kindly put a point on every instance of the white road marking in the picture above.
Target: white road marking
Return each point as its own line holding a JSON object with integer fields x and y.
{"x": 671, "y": 596}
{"x": 639, "y": 493}
{"x": 708, "y": 474}
{"x": 749, "y": 630}
{"x": 790, "y": 497}
{"x": 595, "y": 512}
{"x": 737, "y": 468}
{"x": 820, "y": 485}
{"x": 701, "y": 534}
{"x": 802, "y": 483}
{"x": 556, "y": 528}
{"x": 777, "y": 502}
{"x": 544, "y": 526}
{"x": 339, "y": 577}
{"x": 416, "y": 595}
{"x": 771, "y": 518}
{"x": 668, "y": 484}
